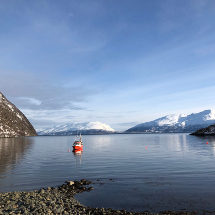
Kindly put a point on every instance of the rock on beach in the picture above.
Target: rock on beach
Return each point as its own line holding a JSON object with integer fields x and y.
{"x": 57, "y": 201}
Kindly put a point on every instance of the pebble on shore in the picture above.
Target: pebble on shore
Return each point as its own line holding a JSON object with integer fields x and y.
{"x": 57, "y": 201}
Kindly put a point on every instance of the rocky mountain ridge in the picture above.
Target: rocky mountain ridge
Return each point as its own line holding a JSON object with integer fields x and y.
{"x": 13, "y": 122}
{"x": 176, "y": 123}
{"x": 73, "y": 128}
{"x": 210, "y": 130}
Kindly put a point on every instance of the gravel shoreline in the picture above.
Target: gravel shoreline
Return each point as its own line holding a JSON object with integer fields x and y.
{"x": 60, "y": 201}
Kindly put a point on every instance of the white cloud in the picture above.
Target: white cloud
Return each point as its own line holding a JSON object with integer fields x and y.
{"x": 32, "y": 100}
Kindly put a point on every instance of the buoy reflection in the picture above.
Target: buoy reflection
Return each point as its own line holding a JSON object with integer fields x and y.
{"x": 78, "y": 154}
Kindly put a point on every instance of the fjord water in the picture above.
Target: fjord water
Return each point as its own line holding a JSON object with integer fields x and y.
{"x": 137, "y": 172}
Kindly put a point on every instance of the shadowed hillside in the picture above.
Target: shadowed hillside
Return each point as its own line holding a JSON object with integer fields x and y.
{"x": 13, "y": 122}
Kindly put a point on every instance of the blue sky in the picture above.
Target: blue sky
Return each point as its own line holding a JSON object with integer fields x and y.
{"x": 120, "y": 62}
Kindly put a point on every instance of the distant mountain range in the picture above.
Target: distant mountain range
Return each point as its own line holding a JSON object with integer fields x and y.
{"x": 13, "y": 122}
{"x": 73, "y": 128}
{"x": 176, "y": 123}
{"x": 170, "y": 123}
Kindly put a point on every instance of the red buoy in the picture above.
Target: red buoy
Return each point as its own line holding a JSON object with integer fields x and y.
{"x": 207, "y": 142}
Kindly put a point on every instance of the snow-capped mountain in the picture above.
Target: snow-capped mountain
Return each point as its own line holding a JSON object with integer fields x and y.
{"x": 73, "y": 128}
{"x": 13, "y": 122}
{"x": 177, "y": 123}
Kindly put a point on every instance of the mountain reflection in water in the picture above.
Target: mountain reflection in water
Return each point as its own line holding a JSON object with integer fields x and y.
{"x": 11, "y": 151}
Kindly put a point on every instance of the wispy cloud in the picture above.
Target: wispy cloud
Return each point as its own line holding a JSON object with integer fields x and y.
{"x": 118, "y": 62}
{"x": 31, "y": 100}
{"x": 36, "y": 94}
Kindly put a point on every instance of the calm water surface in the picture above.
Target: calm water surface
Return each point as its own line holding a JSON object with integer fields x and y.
{"x": 137, "y": 172}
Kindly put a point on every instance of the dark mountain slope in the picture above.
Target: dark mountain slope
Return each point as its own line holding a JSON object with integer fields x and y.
{"x": 210, "y": 130}
{"x": 13, "y": 122}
